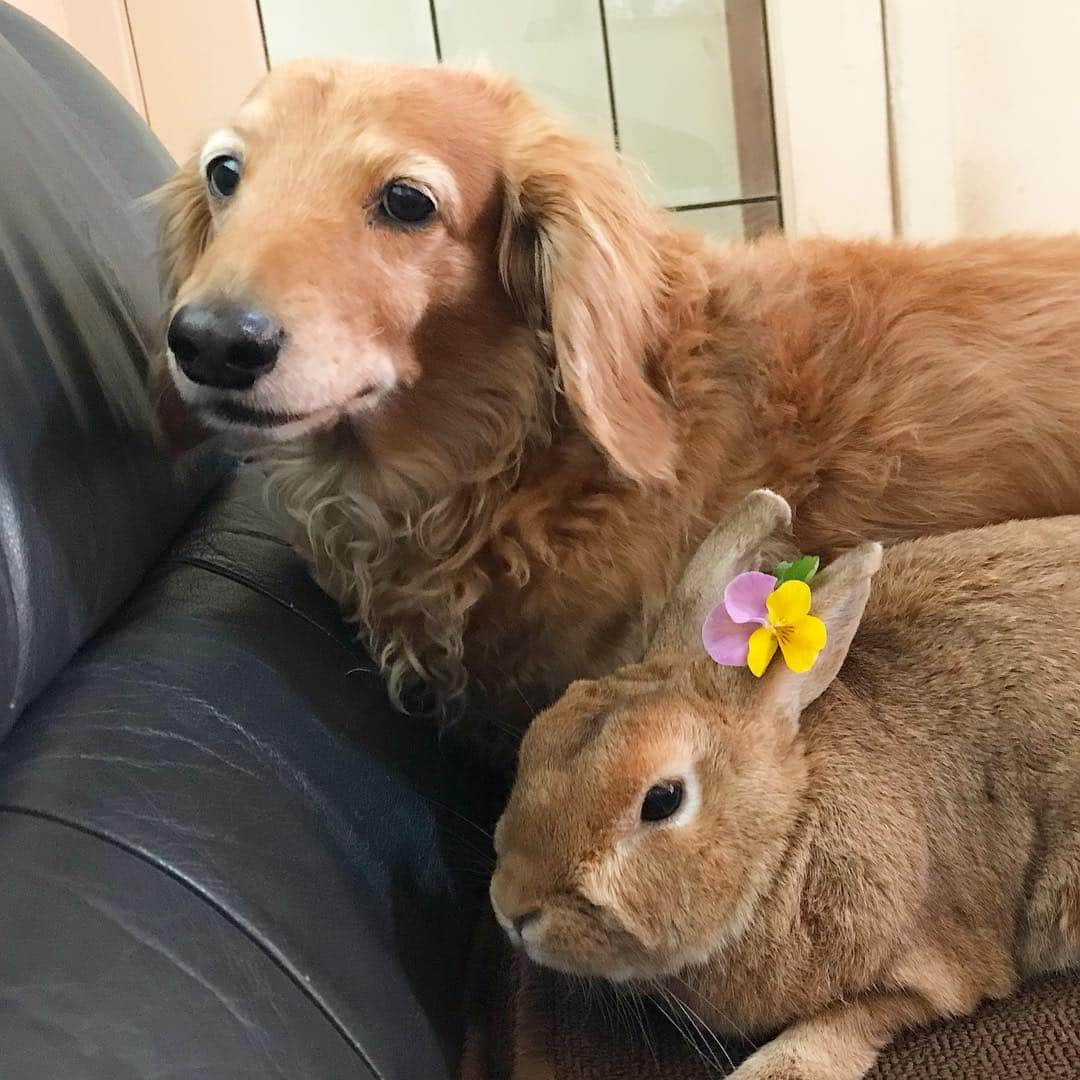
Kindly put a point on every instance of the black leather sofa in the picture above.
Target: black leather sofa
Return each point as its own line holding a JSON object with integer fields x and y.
{"x": 221, "y": 855}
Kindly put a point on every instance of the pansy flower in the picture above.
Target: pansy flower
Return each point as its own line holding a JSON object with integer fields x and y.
{"x": 761, "y": 613}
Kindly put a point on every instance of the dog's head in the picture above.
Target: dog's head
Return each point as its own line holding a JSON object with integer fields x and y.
{"x": 374, "y": 246}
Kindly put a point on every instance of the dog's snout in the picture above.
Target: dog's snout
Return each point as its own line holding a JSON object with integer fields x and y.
{"x": 224, "y": 345}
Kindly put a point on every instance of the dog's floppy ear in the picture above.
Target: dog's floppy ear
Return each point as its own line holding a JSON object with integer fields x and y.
{"x": 185, "y": 229}
{"x": 185, "y": 224}
{"x": 578, "y": 254}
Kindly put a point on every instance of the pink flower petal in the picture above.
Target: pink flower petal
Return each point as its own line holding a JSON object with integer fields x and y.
{"x": 726, "y": 641}
{"x": 744, "y": 598}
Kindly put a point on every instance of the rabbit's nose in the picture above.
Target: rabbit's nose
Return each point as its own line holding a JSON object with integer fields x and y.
{"x": 519, "y": 922}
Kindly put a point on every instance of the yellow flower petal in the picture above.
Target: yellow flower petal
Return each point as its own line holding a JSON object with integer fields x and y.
{"x": 802, "y": 642}
{"x": 788, "y": 604}
{"x": 760, "y": 650}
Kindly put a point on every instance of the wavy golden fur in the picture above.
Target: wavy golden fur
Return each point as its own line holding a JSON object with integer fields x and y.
{"x": 501, "y": 434}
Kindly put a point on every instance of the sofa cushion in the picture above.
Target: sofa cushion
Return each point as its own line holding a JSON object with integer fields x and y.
{"x": 88, "y": 499}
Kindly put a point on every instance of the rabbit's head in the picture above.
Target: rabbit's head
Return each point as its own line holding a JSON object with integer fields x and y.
{"x": 652, "y": 808}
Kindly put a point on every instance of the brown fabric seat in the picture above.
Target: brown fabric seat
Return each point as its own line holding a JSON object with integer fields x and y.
{"x": 521, "y": 1016}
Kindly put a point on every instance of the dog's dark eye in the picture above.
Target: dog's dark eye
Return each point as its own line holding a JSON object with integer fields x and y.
{"x": 662, "y": 800}
{"x": 407, "y": 205}
{"x": 223, "y": 176}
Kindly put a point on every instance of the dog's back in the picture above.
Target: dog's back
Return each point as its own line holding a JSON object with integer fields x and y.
{"x": 510, "y": 397}
{"x": 910, "y": 390}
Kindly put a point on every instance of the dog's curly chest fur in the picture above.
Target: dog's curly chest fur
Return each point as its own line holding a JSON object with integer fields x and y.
{"x": 511, "y": 590}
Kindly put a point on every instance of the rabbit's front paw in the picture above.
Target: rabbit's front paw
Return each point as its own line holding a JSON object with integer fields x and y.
{"x": 780, "y": 1060}
{"x": 776, "y": 1068}
{"x": 841, "y": 1043}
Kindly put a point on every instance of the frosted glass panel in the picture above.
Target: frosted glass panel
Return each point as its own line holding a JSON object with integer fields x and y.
{"x": 681, "y": 86}
{"x": 674, "y": 97}
{"x": 738, "y": 222}
{"x": 554, "y": 47}
{"x": 398, "y": 30}
{"x": 721, "y": 222}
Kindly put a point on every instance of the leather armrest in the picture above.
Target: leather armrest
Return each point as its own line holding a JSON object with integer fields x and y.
{"x": 224, "y": 738}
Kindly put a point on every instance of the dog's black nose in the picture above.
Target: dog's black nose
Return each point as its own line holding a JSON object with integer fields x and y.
{"x": 224, "y": 345}
{"x": 519, "y": 922}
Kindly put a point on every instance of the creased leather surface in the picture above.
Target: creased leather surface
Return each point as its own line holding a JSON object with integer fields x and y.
{"x": 122, "y": 972}
{"x": 87, "y": 500}
{"x": 224, "y": 727}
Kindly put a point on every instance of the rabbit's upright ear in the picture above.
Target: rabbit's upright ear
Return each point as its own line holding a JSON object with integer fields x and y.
{"x": 840, "y": 593}
{"x": 734, "y": 546}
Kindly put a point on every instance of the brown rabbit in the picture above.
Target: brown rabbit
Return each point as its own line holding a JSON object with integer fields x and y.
{"x": 891, "y": 837}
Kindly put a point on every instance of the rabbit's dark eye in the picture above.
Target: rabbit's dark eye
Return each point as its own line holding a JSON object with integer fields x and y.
{"x": 406, "y": 205}
{"x": 662, "y": 800}
{"x": 223, "y": 175}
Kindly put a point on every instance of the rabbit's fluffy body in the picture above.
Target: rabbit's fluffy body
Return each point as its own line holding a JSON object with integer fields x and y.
{"x": 906, "y": 848}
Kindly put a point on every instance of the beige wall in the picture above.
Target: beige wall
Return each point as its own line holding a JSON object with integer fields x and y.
{"x": 830, "y": 102}
{"x": 198, "y": 60}
{"x": 984, "y": 104}
{"x": 99, "y": 30}
{"x": 927, "y": 118}
{"x": 183, "y": 64}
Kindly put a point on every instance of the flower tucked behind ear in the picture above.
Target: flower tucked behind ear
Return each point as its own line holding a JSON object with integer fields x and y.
{"x": 800, "y": 635}
{"x": 757, "y": 616}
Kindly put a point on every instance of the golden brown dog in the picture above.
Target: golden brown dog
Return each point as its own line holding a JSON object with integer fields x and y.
{"x": 504, "y": 398}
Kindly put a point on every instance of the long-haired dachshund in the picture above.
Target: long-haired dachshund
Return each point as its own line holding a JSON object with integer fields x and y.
{"x": 503, "y": 398}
